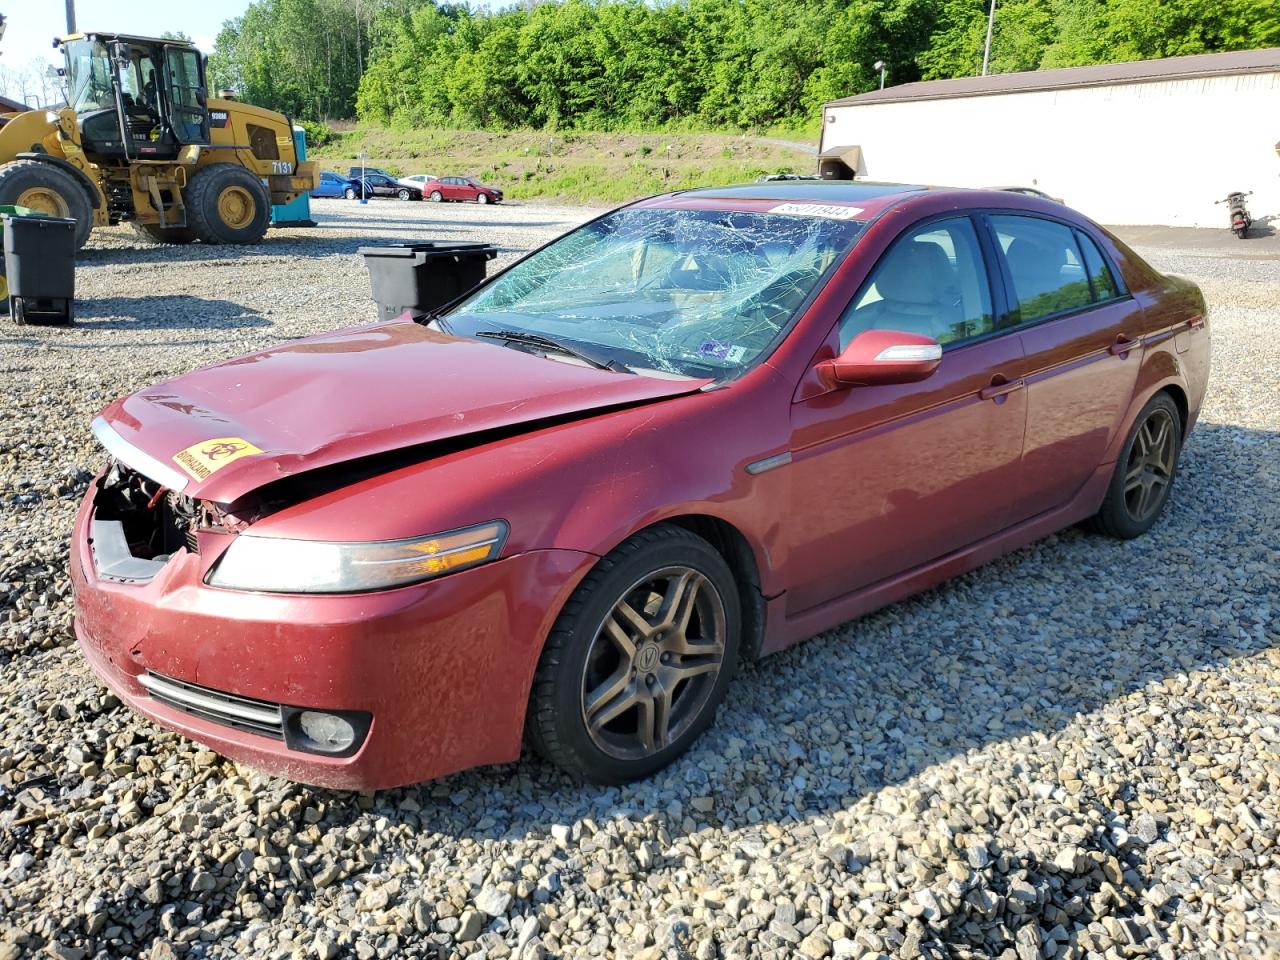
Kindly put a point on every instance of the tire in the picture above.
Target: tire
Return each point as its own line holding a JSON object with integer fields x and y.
{"x": 154, "y": 233}
{"x": 436, "y": 196}
{"x": 1156, "y": 436}
{"x": 402, "y": 194}
{"x": 350, "y": 194}
{"x": 482, "y": 198}
{"x": 48, "y": 189}
{"x": 227, "y": 204}
{"x": 585, "y": 669}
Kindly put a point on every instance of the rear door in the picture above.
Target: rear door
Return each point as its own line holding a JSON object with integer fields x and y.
{"x": 1081, "y": 332}
{"x": 886, "y": 478}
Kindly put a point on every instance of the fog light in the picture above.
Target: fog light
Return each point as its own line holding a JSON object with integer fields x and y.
{"x": 318, "y": 731}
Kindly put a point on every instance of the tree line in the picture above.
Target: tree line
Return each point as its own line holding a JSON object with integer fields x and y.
{"x": 629, "y": 64}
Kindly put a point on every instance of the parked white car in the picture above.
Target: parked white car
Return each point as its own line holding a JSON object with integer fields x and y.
{"x": 417, "y": 180}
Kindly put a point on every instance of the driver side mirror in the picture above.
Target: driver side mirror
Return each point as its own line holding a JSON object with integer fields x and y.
{"x": 881, "y": 357}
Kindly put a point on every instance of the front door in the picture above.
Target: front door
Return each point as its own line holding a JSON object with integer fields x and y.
{"x": 188, "y": 99}
{"x": 1076, "y": 321}
{"x": 887, "y": 478}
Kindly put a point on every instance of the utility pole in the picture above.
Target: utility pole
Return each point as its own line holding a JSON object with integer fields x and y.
{"x": 986, "y": 51}
{"x": 71, "y": 16}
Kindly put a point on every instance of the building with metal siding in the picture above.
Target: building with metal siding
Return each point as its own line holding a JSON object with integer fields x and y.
{"x": 1150, "y": 142}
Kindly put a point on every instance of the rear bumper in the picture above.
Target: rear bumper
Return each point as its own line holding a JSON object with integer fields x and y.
{"x": 443, "y": 668}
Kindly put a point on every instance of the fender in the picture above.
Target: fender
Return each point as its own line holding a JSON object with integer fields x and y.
{"x": 1160, "y": 369}
{"x": 87, "y": 185}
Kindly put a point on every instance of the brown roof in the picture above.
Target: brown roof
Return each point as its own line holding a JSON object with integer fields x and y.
{"x": 1266, "y": 60}
{"x": 11, "y": 106}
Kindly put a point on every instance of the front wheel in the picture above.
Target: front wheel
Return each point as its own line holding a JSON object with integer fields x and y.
{"x": 482, "y": 198}
{"x": 350, "y": 194}
{"x": 227, "y": 204}
{"x": 1145, "y": 469}
{"x": 402, "y": 194}
{"x": 639, "y": 660}
{"x": 48, "y": 189}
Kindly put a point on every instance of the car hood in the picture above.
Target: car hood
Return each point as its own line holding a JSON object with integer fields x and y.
{"x": 223, "y": 431}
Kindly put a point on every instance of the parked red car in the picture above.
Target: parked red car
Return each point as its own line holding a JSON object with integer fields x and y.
{"x": 461, "y": 188}
{"x": 689, "y": 433}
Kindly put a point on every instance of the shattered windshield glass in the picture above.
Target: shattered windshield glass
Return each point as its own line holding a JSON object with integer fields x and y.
{"x": 687, "y": 292}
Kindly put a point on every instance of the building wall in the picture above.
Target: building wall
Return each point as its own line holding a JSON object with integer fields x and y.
{"x": 1142, "y": 153}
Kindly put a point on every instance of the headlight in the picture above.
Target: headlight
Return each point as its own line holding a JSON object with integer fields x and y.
{"x": 274, "y": 565}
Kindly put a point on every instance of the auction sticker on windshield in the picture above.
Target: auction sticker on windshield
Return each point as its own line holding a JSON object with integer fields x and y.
{"x": 829, "y": 210}
{"x": 203, "y": 459}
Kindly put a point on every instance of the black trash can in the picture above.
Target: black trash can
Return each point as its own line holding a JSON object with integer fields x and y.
{"x": 423, "y": 276}
{"x": 40, "y": 268}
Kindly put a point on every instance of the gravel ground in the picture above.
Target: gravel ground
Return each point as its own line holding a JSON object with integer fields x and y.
{"x": 1072, "y": 752}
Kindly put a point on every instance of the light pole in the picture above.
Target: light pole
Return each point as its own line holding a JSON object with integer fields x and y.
{"x": 71, "y": 16}
{"x": 882, "y": 67}
{"x": 364, "y": 155}
{"x": 986, "y": 50}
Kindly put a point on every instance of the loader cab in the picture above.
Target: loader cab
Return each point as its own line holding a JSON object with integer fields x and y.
{"x": 136, "y": 98}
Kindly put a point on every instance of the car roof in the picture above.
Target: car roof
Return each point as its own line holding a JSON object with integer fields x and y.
{"x": 868, "y": 197}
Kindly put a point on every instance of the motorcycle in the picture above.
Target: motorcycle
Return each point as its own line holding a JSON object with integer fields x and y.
{"x": 1239, "y": 213}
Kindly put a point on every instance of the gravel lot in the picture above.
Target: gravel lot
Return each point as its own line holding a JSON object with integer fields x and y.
{"x": 1072, "y": 752}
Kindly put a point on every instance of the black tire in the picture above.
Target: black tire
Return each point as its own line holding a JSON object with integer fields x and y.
{"x": 19, "y": 177}
{"x": 402, "y": 194}
{"x": 206, "y": 191}
{"x": 1120, "y": 515}
{"x": 436, "y": 196}
{"x": 557, "y": 724}
{"x": 154, "y": 233}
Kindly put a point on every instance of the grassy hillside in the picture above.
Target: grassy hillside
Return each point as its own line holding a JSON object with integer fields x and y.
{"x": 573, "y": 167}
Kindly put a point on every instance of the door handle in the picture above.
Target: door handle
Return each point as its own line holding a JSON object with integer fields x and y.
{"x": 998, "y": 390}
{"x": 1123, "y": 345}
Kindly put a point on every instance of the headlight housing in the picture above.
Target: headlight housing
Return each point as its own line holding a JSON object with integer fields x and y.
{"x": 276, "y": 565}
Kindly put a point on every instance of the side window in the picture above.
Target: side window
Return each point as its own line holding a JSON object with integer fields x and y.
{"x": 1104, "y": 284}
{"x": 1044, "y": 264}
{"x": 932, "y": 282}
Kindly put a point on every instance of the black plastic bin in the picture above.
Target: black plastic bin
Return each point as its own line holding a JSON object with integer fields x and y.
{"x": 423, "y": 276}
{"x": 40, "y": 267}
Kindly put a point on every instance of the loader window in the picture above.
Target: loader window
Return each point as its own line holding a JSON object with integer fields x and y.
{"x": 187, "y": 95}
{"x": 89, "y": 76}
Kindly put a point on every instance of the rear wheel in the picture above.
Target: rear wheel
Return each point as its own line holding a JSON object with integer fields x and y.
{"x": 639, "y": 660}
{"x": 436, "y": 196}
{"x": 47, "y": 189}
{"x": 154, "y": 233}
{"x": 1145, "y": 469}
{"x": 227, "y": 204}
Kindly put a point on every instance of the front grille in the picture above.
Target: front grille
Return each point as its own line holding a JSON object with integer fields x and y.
{"x": 216, "y": 706}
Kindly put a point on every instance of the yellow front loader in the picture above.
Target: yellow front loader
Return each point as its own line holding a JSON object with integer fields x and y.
{"x": 141, "y": 141}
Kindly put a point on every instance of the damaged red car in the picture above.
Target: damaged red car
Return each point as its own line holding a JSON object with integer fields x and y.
{"x": 692, "y": 432}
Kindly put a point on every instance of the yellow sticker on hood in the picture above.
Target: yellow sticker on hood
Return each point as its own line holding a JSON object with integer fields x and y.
{"x": 209, "y": 456}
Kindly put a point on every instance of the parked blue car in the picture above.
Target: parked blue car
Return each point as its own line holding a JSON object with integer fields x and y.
{"x": 331, "y": 185}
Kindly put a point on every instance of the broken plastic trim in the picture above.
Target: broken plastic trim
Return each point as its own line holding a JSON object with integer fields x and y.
{"x": 131, "y": 456}
{"x": 111, "y": 556}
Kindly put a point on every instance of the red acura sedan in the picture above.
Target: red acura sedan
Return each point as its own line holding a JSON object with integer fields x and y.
{"x": 692, "y": 432}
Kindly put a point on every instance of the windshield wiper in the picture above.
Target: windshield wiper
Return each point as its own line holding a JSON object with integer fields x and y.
{"x": 558, "y": 346}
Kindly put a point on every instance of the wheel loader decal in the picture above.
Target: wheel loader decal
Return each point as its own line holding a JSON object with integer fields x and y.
{"x": 218, "y": 118}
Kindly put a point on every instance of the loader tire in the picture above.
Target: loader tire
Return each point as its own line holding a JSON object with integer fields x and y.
{"x": 227, "y": 204}
{"x": 154, "y": 233}
{"x": 47, "y": 189}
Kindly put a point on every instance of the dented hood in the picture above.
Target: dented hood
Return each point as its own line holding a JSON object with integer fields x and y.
{"x": 228, "y": 429}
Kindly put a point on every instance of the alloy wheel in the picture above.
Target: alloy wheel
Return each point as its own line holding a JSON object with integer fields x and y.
{"x": 653, "y": 663}
{"x": 1149, "y": 470}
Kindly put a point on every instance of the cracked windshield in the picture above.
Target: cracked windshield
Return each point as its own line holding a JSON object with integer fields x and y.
{"x": 699, "y": 293}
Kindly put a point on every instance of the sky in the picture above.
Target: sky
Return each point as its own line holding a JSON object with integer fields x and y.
{"x": 32, "y": 24}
